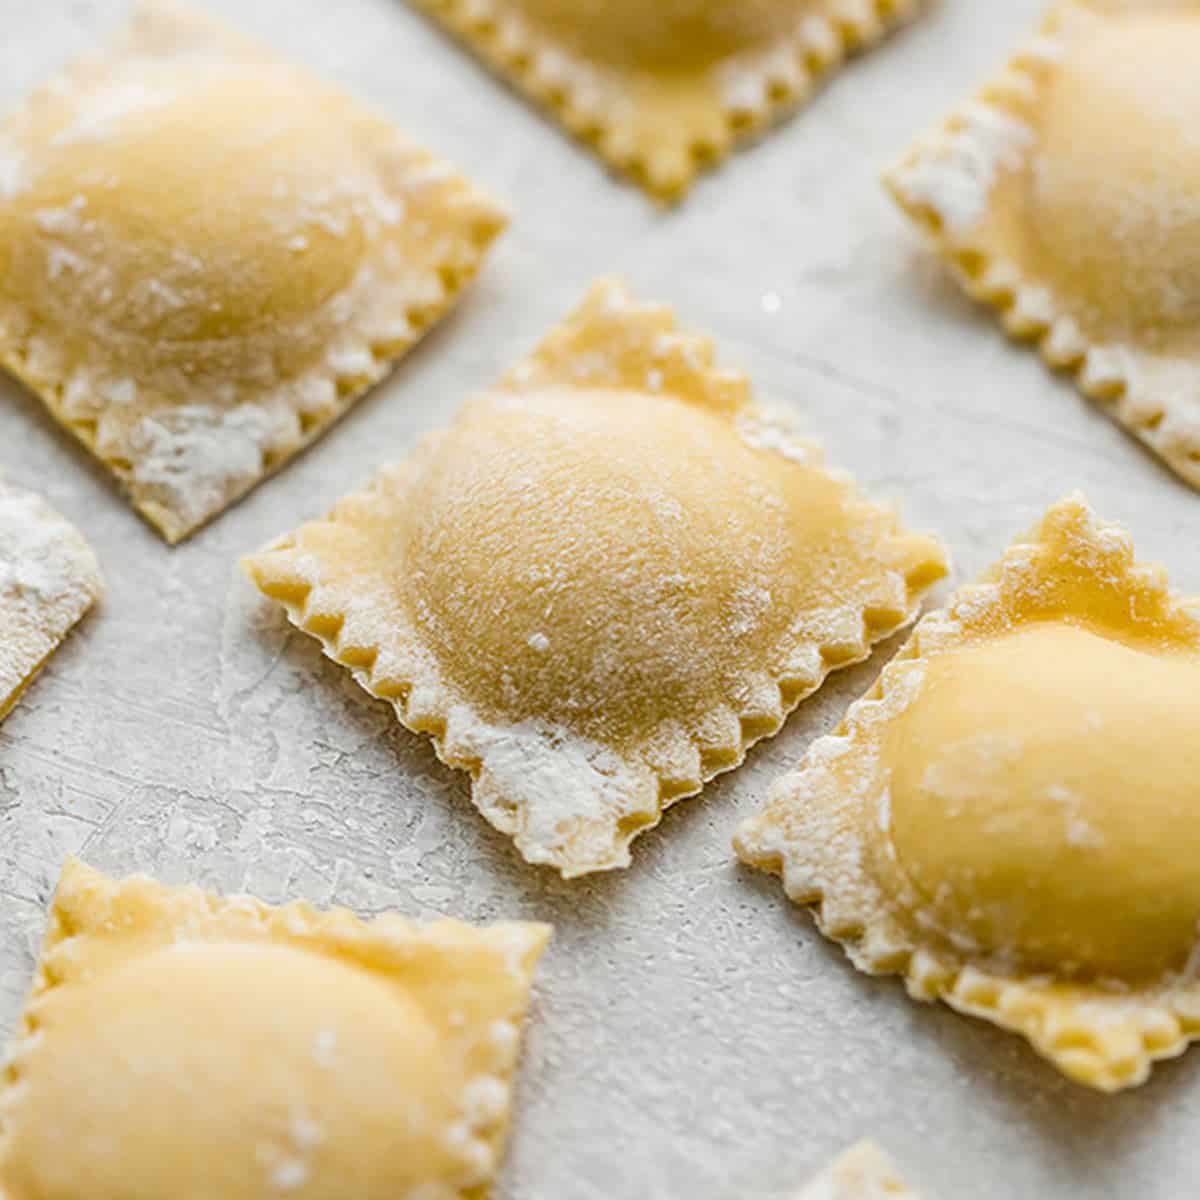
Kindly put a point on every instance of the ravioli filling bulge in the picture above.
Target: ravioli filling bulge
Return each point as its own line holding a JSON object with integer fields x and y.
{"x": 1041, "y": 798}
{"x": 660, "y": 557}
{"x": 1113, "y": 192}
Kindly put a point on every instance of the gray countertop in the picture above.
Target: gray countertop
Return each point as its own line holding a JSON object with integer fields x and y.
{"x": 693, "y": 1037}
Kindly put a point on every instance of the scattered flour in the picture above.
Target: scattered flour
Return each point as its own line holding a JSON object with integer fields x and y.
{"x": 955, "y": 175}
{"x": 48, "y": 579}
{"x": 576, "y": 793}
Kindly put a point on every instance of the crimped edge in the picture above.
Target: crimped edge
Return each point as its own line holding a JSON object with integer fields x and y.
{"x": 863, "y": 1172}
{"x": 298, "y": 923}
{"x": 86, "y": 578}
{"x": 779, "y": 82}
{"x": 674, "y": 361}
{"x": 1028, "y": 311}
{"x": 364, "y": 363}
{"x": 1104, "y": 1039}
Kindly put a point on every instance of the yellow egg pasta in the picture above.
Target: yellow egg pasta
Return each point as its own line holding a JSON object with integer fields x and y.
{"x": 182, "y": 1044}
{"x": 664, "y": 89}
{"x": 1066, "y": 197}
{"x": 1006, "y": 818}
{"x": 49, "y": 579}
{"x": 207, "y": 254}
{"x": 606, "y": 580}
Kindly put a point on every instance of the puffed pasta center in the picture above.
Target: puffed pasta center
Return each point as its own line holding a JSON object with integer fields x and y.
{"x": 136, "y": 230}
{"x": 659, "y": 557}
{"x": 1043, "y": 794}
{"x": 1114, "y": 190}
{"x": 679, "y": 33}
{"x": 233, "y": 1070}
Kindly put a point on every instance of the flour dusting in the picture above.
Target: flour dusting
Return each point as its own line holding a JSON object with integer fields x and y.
{"x": 109, "y": 108}
{"x": 191, "y": 457}
{"x": 774, "y": 430}
{"x": 954, "y": 175}
{"x": 862, "y": 1173}
{"x": 48, "y": 579}
{"x": 575, "y": 793}
{"x": 186, "y": 314}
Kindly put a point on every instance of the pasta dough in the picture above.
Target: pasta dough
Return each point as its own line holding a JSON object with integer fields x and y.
{"x": 1065, "y": 195}
{"x": 604, "y": 582}
{"x": 49, "y": 579}
{"x": 206, "y": 255}
{"x": 187, "y": 1045}
{"x": 1007, "y": 818}
{"x": 662, "y": 90}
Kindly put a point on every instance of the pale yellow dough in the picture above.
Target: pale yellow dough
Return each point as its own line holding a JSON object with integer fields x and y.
{"x": 606, "y": 580}
{"x": 182, "y": 1044}
{"x": 1009, "y": 818}
{"x": 664, "y": 89}
{"x": 1067, "y": 196}
{"x": 863, "y": 1172}
{"x": 207, "y": 254}
{"x": 49, "y": 579}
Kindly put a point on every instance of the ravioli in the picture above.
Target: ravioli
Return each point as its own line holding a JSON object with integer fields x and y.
{"x": 862, "y": 1173}
{"x": 206, "y": 255}
{"x": 49, "y": 579}
{"x": 182, "y": 1044}
{"x": 1008, "y": 817}
{"x": 662, "y": 90}
{"x": 606, "y": 580}
{"x": 1066, "y": 196}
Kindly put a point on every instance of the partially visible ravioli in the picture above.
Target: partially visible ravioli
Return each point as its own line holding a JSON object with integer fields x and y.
{"x": 863, "y": 1172}
{"x": 1010, "y": 817}
{"x": 187, "y": 1045}
{"x": 664, "y": 89}
{"x": 606, "y": 580}
{"x": 48, "y": 579}
{"x": 1067, "y": 196}
{"x": 207, "y": 254}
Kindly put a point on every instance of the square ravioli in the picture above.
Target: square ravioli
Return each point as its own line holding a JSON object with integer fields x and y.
{"x": 1066, "y": 195}
{"x": 206, "y": 255}
{"x": 664, "y": 89}
{"x": 863, "y": 1172}
{"x": 1008, "y": 818}
{"x": 183, "y": 1044}
{"x": 49, "y": 578}
{"x": 607, "y": 579}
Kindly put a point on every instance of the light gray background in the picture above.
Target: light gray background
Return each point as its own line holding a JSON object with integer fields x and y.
{"x": 693, "y": 1037}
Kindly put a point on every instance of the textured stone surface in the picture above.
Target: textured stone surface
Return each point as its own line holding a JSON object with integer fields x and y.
{"x": 693, "y": 1037}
